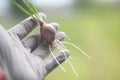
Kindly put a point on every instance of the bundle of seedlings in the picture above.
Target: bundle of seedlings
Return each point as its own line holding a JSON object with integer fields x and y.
{"x": 48, "y": 32}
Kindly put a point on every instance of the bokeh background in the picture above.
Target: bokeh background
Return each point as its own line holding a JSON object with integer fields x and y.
{"x": 93, "y": 25}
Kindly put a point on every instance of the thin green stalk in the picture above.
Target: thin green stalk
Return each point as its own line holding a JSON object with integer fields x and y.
{"x": 24, "y": 10}
{"x": 36, "y": 11}
{"x": 31, "y": 10}
{"x": 21, "y": 8}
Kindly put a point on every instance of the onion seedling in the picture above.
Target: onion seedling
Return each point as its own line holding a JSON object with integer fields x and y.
{"x": 48, "y": 32}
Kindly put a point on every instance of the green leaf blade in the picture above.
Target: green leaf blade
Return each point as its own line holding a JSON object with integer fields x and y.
{"x": 31, "y": 9}
{"x": 21, "y": 8}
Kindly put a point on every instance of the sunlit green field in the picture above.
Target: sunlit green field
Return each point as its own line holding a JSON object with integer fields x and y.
{"x": 97, "y": 32}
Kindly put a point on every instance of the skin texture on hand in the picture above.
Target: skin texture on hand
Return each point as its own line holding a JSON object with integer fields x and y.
{"x": 28, "y": 60}
{"x": 2, "y": 75}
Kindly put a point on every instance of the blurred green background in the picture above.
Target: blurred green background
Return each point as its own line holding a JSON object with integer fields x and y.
{"x": 93, "y": 25}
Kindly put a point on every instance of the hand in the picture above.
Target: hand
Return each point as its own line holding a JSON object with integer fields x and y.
{"x": 28, "y": 60}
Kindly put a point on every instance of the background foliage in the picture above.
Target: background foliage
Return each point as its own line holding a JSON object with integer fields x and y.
{"x": 95, "y": 27}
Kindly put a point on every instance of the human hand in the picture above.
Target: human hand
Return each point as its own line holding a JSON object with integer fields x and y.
{"x": 28, "y": 60}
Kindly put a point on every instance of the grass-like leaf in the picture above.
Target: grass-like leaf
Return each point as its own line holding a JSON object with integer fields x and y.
{"x": 24, "y": 10}
{"x": 36, "y": 11}
{"x": 21, "y": 8}
{"x": 32, "y": 9}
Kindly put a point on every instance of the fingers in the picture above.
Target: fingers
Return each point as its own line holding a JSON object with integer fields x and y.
{"x": 26, "y": 26}
{"x": 14, "y": 58}
{"x": 56, "y": 25}
{"x": 33, "y": 41}
{"x": 43, "y": 16}
{"x": 51, "y": 64}
{"x": 60, "y": 36}
{"x": 42, "y": 49}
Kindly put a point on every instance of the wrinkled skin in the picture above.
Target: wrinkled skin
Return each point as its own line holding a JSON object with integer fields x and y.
{"x": 28, "y": 60}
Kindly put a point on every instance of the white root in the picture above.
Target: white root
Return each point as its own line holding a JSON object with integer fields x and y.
{"x": 74, "y": 70}
{"x": 68, "y": 37}
{"x": 61, "y": 47}
{"x": 57, "y": 60}
{"x": 78, "y": 49}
